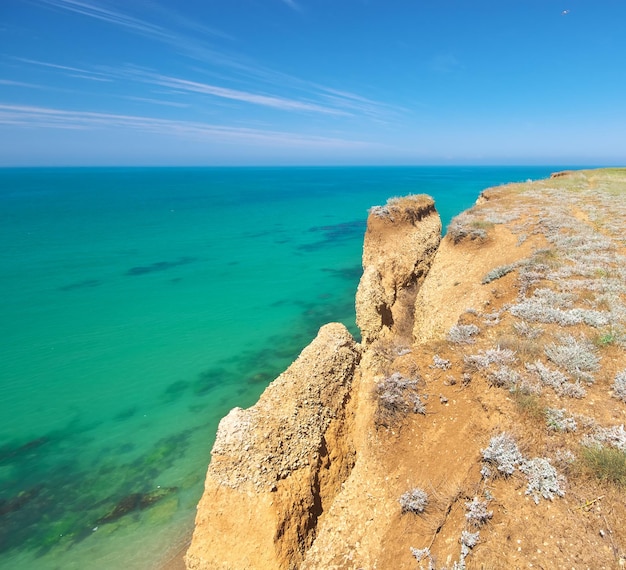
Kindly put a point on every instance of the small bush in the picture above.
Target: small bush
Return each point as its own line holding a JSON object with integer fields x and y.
{"x": 605, "y": 339}
{"x": 414, "y": 501}
{"x": 503, "y": 377}
{"x": 543, "y": 480}
{"x": 485, "y": 358}
{"x": 577, "y": 356}
{"x": 503, "y": 453}
{"x": 421, "y": 553}
{"x": 558, "y": 421}
{"x": 498, "y": 272}
{"x": 556, "y": 380}
{"x": 396, "y": 397}
{"x": 614, "y": 437}
{"x": 469, "y": 539}
{"x": 619, "y": 385}
{"x": 440, "y": 363}
{"x": 477, "y": 514}
{"x": 463, "y": 334}
{"x": 464, "y": 226}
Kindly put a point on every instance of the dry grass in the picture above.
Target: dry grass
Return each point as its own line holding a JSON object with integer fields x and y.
{"x": 605, "y": 464}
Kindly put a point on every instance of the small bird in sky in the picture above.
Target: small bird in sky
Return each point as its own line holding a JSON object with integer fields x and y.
{"x": 565, "y": 12}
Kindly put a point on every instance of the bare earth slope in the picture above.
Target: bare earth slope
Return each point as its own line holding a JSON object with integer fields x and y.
{"x": 491, "y": 437}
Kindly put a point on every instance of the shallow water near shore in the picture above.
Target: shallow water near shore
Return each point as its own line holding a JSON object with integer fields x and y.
{"x": 139, "y": 306}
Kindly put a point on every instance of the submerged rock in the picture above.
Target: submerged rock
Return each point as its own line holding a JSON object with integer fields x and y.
{"x": 135, "y": 502}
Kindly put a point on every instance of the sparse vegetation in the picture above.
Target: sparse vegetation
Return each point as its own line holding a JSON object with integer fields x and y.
{"x": 440, "y": 363}
{"x": 414, "y": 501}
{"x": 525, "y": 329}
{"x": 466, "y": 225}
{"x": 619, "y": 385}
{"x": 558, "y": 420}
{"x": 576, "y": 356}
{"x": 528, "y": 403}
{"x": 498, "y": 272}
{"x": 396, "y": 397}
{"x": 463, "y": 334}
{"x": 604, "y": 464}
{"x": 477, "y": 514}
{"x": 502, "y": 453}
{"x": 544, "y": 308}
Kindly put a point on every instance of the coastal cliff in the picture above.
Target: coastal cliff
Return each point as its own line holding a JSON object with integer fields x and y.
{"x": 478, "y": 424}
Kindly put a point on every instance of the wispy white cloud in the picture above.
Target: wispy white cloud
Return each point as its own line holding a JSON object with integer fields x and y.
{"x": 310, "y": 97}
{"x": 20, "y": 84}
{"x": 100, "y": 11}
{"x": 109, "y": 15}
{"x": 44, "y": 117}
{"x": 275, "y": 102}
{"x": 247, "y": 81}
{"x": 81, "y": 73}
{"x": 156, "y": 101}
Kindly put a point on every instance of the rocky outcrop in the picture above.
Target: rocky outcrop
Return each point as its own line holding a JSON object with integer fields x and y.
{"x": 400, "y": 243}
{"x": 275, "y": 467}
{"x": 307, "y": 479}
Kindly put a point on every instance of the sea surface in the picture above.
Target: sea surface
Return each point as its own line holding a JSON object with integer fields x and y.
{"x": 139, "y": 305}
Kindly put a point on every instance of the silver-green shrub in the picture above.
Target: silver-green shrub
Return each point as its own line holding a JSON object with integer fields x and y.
{"x": 543, "y": 480}
{"x": 503, "y": 453}
{"x": 396, "y": 397}
{"x": 463, "y": 334}
{"x": 414, "y": 501}
{"x": 577, "y": 356}
{"x": 477, "y": 514}
{"x": 557, "y": 420}
{"x": 619, "y": 385}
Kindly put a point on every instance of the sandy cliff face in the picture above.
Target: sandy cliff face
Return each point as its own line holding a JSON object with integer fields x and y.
{"x": 514, "y": 325}
{"x": 400, "y": 242}
{"x": 275, "y": 466}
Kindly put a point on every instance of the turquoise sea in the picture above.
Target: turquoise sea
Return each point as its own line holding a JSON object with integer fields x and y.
{"x": 137, "y": 307}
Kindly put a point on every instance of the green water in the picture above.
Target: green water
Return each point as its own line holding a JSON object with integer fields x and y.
{"x": 138, "y": 307}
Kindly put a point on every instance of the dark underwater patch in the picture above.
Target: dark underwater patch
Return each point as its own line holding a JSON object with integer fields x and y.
{"x": 52, "y": 500}
{"x": 208, "y": 379}
{"x": 86, "y": 284}
{"x": 352, "y": 274}
{"x": 17, "y": 451}
{"x": 126, "y": 414}
{"x": 174, "y": 391}
{"x": 159, "y": 266}
{"x": 335, "y": 234}
{"x": 136, "y": 502}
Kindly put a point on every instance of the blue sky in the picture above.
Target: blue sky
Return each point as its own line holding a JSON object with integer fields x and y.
{"x": 228, "y": 82}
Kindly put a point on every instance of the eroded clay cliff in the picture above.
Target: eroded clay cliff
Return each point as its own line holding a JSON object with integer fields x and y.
{"x": 276, "y": 465}
{"x": 486, "y": 332}
{"x": 400, "y": 242}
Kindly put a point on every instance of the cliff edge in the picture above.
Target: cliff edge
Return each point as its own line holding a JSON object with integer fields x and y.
{"x": 480, "y": 424}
